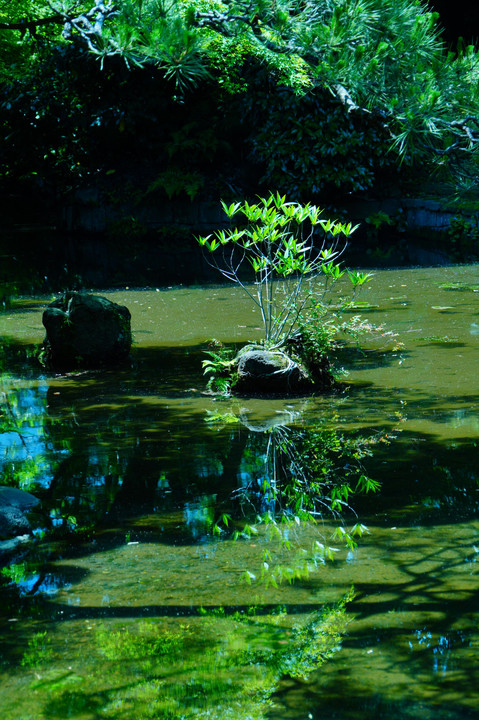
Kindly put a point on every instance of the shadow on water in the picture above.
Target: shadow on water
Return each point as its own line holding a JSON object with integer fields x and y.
{"x": 352, "y": 702}
{"x": 412, "y": 646}
{"x": 413, "y": 628}
{"x": 113, "y": 439}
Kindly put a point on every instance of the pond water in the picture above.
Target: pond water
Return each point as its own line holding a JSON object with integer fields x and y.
{"x": 130, "y": 608}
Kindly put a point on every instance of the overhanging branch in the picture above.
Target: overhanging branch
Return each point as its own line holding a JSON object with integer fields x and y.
{"x": 223, "y": 23}
{"x": 86, "y": 26}
{"x": 32, "y": 25}
{"x": 89, "y": 25}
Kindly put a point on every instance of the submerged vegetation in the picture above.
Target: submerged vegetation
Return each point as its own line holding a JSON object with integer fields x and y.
{"x": 224, "y": 664}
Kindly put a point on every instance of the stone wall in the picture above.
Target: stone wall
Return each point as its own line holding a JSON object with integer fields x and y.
{"x": 89, "y": 213}
{"x": 416, "y": 213}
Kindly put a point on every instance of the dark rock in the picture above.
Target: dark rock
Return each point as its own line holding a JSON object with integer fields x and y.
{"x": 13, "y": 522}
{"x": 14, "y": 550}
{"x": 266, "y": 372}
{"x": 14, "y": 504}
{"x": 86, "y": 331}
{"x": 18, "y": 498}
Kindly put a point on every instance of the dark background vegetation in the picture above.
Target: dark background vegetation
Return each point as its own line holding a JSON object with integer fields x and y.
{"x": 458, "y": 19}
{"x": 69, "y": 125}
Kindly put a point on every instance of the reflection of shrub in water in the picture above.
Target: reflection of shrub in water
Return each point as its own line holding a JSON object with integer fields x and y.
{"x": 293, "y": 479}
{"x": 148, "y": 641}
{"x": 39, "y": 651}
{"x": 220, "y": 665}
{"x": 310, "y": 476}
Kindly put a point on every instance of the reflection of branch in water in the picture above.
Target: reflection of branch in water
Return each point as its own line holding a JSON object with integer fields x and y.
{"x": 293, "y": 478}
{"x": 227, "y": 663}
{"x": 287, "y": 471}
{"x": 10, "y": 422}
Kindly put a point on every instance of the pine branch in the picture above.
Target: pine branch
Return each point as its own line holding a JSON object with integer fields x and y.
{"x": 465, "y": 132}
{"x": 223, "y": 23}
{"x": 32, "y": 26}
{"x": 89, "y": 25}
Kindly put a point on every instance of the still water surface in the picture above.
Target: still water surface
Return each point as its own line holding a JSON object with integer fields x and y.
{"x": 130, "y": 612}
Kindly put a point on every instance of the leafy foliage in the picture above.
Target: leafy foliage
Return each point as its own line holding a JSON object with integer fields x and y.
{"x": 463, "y": 236}
{"x": 219, "y": 366}
{"x": 278, "y": 242}
{"x": 39, "y": 651}
{"x": 306, "y": 145}
{"x": 26, "y": 31}
{"x": 318, "y": 96}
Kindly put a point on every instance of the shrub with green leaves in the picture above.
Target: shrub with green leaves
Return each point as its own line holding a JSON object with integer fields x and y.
{"x": 305, "y": 145}
{"x": 281, "y": 241}
{"x": 284, "y": 256}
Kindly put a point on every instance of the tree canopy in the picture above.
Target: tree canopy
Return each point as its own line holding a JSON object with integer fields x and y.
{"x": 381, "y": 61}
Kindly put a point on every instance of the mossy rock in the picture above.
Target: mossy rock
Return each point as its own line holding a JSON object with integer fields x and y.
{"x": 266, "y": 372}
{"x": 86, "y": 331}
